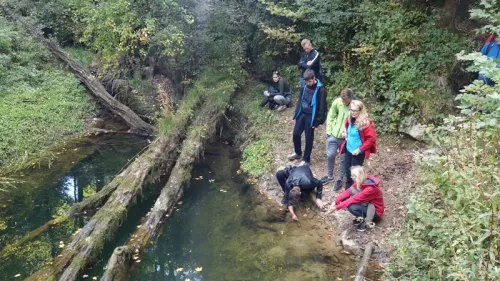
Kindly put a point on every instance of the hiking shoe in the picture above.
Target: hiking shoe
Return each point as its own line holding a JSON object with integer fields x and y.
{"x": 358, "y": 220}
{"x": 325, "y": 179}
{"x": 338, "y": 185}
{"x": 293, "y": 156}
{"x": 281, "y": 108}
{"x": 304, "y": 163}
{"x": 361, "y": 227}
{"x": 370, "y": 225}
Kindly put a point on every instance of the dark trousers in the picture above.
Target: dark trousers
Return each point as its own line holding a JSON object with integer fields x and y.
{"x": 360, "y": 210}
{"x": 270, "y": 100}
{"x": 303, "y": 123}
{"x": 351, "y": 160}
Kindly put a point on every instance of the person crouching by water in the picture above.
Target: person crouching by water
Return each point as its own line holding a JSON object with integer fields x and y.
{"x": 363, "y": 199}
{"x": 300, "y": 181}
{"x": 278, "y": 95}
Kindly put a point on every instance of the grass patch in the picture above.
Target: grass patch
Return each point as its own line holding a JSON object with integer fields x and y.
{"x": 39, "y": 103}
{"x": 257, "y": 156}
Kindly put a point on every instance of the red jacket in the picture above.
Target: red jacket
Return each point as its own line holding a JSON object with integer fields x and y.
{"x": 368, "y": 138}
{"x": 370, "y": 192}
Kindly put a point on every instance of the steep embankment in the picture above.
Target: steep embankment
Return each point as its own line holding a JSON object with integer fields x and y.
{"x": 39, "y": 102}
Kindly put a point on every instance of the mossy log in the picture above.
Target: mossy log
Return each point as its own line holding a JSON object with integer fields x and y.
{"x": 203, "y": 129}
{"x": 136, "y": 124}
{"x": 88, "y": 243}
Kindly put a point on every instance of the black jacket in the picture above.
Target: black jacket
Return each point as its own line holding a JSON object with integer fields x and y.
{"x": 313, "y": 56}
{"x": 279, "y": 88}
{"x": 320, "y": 107}
{"x": 302, "y": 177}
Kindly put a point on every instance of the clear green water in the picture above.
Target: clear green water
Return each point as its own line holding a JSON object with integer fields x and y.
{"x": 43, "y": 192}
{"x": 237, "y": 235}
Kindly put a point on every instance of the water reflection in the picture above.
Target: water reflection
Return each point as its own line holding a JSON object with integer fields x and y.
{"x": 227, "y": 232}
{"x": 45, "y": 192}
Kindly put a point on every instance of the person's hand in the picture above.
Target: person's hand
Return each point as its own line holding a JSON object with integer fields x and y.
{"x": 319, "y": 203}
{"x": 266, "y": 93}
{"x": 356, "y": 152}
{"x": 294, "y": 217}
{"x": 343, "y": 134}
{"x": 309, "y": 63}
{"x": 290, "y": 122}
{"x": 331, "y": 210}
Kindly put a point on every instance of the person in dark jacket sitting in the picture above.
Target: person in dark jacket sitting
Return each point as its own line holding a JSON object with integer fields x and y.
{"x": 310, "y": 112}
{"x": 278, "y": 95}
{"x": 363, "y": 199}
{"x": 299, "y": 179}
{"x": 309, "y": 60}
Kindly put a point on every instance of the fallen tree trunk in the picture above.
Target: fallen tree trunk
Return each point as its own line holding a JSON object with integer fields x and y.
{"x": 119, "y": 265}
{"x": 363, "y": 266}
{"x": 136, "y": 124}
{"x": 87, "y": 244}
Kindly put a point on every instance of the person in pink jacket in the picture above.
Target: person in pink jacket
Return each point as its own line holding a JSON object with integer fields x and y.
{"x": 363, "y": 199}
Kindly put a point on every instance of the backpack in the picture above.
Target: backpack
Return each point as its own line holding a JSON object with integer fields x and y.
{"x": 491, "y": 49}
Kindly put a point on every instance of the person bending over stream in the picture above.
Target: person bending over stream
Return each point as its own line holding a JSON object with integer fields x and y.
{"x": 278, "y": 94}
{"x": 299, "y": 180}
{"x": 363, "y": 199}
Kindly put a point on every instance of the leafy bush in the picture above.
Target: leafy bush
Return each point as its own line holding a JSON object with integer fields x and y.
{"x": 38, "y": 102}
{"x": 452, "y": 230}
{"x": 257, "y": 157}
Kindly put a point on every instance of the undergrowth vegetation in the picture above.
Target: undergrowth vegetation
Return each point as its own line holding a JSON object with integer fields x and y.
{"x": 452, "y": 231}
{"x": 39, "y": 103}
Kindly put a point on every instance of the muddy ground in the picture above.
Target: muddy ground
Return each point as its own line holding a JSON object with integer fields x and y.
{"x": 393, "y": 164}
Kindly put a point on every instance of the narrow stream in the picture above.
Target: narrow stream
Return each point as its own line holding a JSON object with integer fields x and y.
{"x": 224, "y": 230}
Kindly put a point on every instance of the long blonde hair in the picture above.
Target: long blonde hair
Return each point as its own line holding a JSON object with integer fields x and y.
{"x": 362, "y": 121}
{"x": 360, "y": 174}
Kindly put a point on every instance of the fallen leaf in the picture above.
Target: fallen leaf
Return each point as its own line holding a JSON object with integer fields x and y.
{"x": 187, "y": 279}
{"x": 180, "y": 269}
{"x": 198, "y": 269}
{"x": 85, "y": 276}
{"x": 138, "y": 261}
{"x": 17, "y": 275}
{"x": 94, "y": 278}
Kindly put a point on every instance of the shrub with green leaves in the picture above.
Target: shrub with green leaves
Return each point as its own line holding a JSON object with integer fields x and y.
{"x": 452, "y": 230}
{"x": 39, "y": 103}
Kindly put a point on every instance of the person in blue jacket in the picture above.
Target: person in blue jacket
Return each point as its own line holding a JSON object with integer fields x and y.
{"x": 310, "y": 112}
{"x": 491, "y": 49}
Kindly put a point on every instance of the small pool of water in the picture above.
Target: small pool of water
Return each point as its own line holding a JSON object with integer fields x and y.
{"x": 225, "y": 230}
{"x": 41, "y": 193}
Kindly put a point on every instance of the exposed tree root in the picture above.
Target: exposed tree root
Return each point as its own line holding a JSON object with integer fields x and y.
{"x": 363, "y": 266}
{"x": 203, "y": 128}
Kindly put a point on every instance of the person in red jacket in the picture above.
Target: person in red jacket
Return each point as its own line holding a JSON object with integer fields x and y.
{"x": 363, "y": 199}
{"x": 360, "y": 138}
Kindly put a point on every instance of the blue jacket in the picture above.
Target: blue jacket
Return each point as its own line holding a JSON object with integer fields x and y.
{"x": 318, "y": 105}
{"x": 491, "y": 49}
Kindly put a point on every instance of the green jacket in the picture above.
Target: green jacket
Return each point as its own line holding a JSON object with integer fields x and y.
{"x": 336, "y": 116}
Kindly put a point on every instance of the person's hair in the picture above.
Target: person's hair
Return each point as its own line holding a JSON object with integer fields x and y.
{"x": 362, "y": 121}
{"x": 360, "y": 174}
{"x": 304, "y": 42}
{"x": 347, "y": 94}
{"x": 295, "y": 193}
{"x": 309, "y": 74}
{"x": 276, "y": 72}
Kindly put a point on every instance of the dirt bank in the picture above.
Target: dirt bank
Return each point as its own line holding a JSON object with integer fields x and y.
{"x": 393, "y": 164}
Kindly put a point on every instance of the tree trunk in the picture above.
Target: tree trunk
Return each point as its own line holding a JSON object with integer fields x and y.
{"x": 137, "y": 125}
{"x": 363, "y": 266}
{"x": 202, "y": 130}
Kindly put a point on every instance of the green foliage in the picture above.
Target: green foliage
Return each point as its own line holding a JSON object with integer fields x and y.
{"x": 452, "y": 231}
{"x": 82, "y": 55}
{"x": 257, "y": 157}
{"x": 39, "y": 103}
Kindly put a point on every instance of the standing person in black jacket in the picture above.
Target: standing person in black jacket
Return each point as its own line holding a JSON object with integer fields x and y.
{"x": 278, "y": 95}
{"x": 310, "y": 112}
{"x": 299, "y": 180}
{"x": 309, "y": 60}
